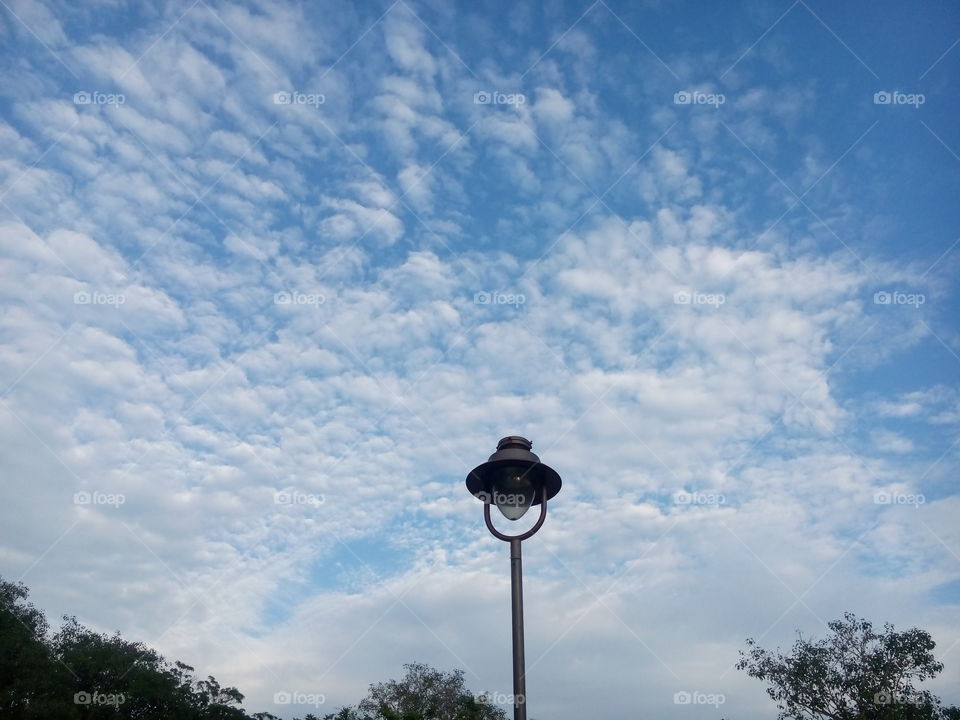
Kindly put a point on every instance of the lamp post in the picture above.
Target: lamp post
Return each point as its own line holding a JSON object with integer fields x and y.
{"x": 514, "y": 479}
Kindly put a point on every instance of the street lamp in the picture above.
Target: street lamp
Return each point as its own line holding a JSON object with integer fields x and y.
{"x": 514, "y": 479}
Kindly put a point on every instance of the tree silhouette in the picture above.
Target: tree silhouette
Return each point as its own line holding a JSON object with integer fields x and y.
{"x": 81, "y": 674}
{"x": 855, "y": 673}
{"x": 425, "y": 694}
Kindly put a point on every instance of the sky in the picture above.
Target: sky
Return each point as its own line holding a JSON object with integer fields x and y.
{"x": 276, "y": 276}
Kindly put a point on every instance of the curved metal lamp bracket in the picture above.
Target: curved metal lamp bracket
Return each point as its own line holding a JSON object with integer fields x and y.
{"x": 509, "y": 538}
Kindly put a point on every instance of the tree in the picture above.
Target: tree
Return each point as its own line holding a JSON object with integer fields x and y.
{"x": 32, "y": 681}
{"x": 423, "y": 694}
{"x": 855, "y": 673}
{"x": 80, "y": 674}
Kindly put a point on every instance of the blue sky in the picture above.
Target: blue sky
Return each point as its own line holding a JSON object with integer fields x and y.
{"x": 276, "y": 276}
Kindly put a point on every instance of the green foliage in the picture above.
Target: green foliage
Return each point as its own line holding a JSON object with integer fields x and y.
{"x": 30, "y": 676}
{"x": 80, "y": 674}
{"x": 424, "y": 694}
{"x": 856, "y": 673}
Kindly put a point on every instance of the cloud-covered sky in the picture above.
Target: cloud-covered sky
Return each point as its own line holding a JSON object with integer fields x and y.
{"x": 276, "y": 276}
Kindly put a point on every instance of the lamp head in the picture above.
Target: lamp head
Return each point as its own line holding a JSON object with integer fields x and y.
{"x": 512, "y": 478}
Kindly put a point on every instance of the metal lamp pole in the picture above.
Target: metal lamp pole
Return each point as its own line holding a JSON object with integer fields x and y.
{"x": 516, "y": 605}
{"x": 514, "y": 479}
